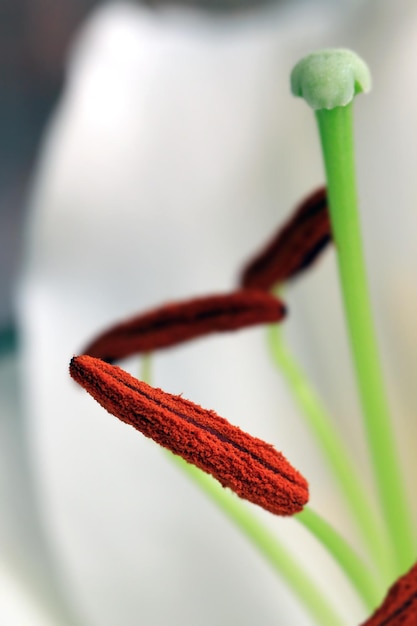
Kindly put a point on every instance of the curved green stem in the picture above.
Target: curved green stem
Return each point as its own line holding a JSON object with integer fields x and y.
{"x": 146, "y": 368}
{"x": 335, "y": 453}
{"x": 359, "y": 574}
{"x": 284, "y": 564}
{"x": 336, "y": 132}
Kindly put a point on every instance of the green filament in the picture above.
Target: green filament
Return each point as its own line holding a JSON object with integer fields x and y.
{"x": 282, "y": 562}
{"x": 275, "y": 553}
{"x": 336, "y": 455}
{"x": 146, "y": 368}
{"x": 359, "y": 574}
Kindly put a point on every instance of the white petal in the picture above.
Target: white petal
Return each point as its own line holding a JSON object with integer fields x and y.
{"x": 176, "y": 149}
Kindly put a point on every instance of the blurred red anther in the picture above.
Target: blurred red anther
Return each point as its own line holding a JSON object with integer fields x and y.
{"x": 400, "y": 604}
{"x": 295, "y": 247}
{"x": 177, "y": 322}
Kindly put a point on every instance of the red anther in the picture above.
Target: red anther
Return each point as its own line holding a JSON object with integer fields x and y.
{"x": 297, "y": 244}
{"x": 250, "y": 467}
{"x": 400, "y": 605}
{"x": 176, "y": 322}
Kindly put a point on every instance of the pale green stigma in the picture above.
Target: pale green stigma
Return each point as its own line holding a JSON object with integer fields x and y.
{"x": 330, "y": 78}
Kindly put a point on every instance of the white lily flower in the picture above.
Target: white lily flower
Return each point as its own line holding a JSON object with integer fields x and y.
{"x": 176, "y": 150}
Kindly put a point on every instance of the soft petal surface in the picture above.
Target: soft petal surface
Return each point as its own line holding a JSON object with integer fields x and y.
{"x": 31, "y": 587}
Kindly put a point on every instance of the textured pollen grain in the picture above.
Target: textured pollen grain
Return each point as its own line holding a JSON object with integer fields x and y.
{"x": 294, "y": 248}
{"x": 250, "y": 467}
{"x": 400, "y": 605}
{"x": 177, "y": 322}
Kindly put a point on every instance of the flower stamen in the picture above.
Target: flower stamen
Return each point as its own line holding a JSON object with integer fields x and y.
{"x": 176, "y": 322}
{"x": 250, "y": 467}
{"x": 294, "y": 248}
{"x": 400, "y": 604}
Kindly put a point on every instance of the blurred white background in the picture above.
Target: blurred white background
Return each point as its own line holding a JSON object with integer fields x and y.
{"x": 173, "y": 151}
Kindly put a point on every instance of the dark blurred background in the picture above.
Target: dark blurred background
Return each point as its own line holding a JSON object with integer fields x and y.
{"x": 34, "y": 39}
{"x": 35, "y": 36}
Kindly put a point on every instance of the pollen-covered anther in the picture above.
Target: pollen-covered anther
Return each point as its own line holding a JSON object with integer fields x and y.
{"x": 294, "y": 248}
{"x": 177, "y": 322}
{"x": 400, "y": 604}
{"x": 250, "y": 467}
